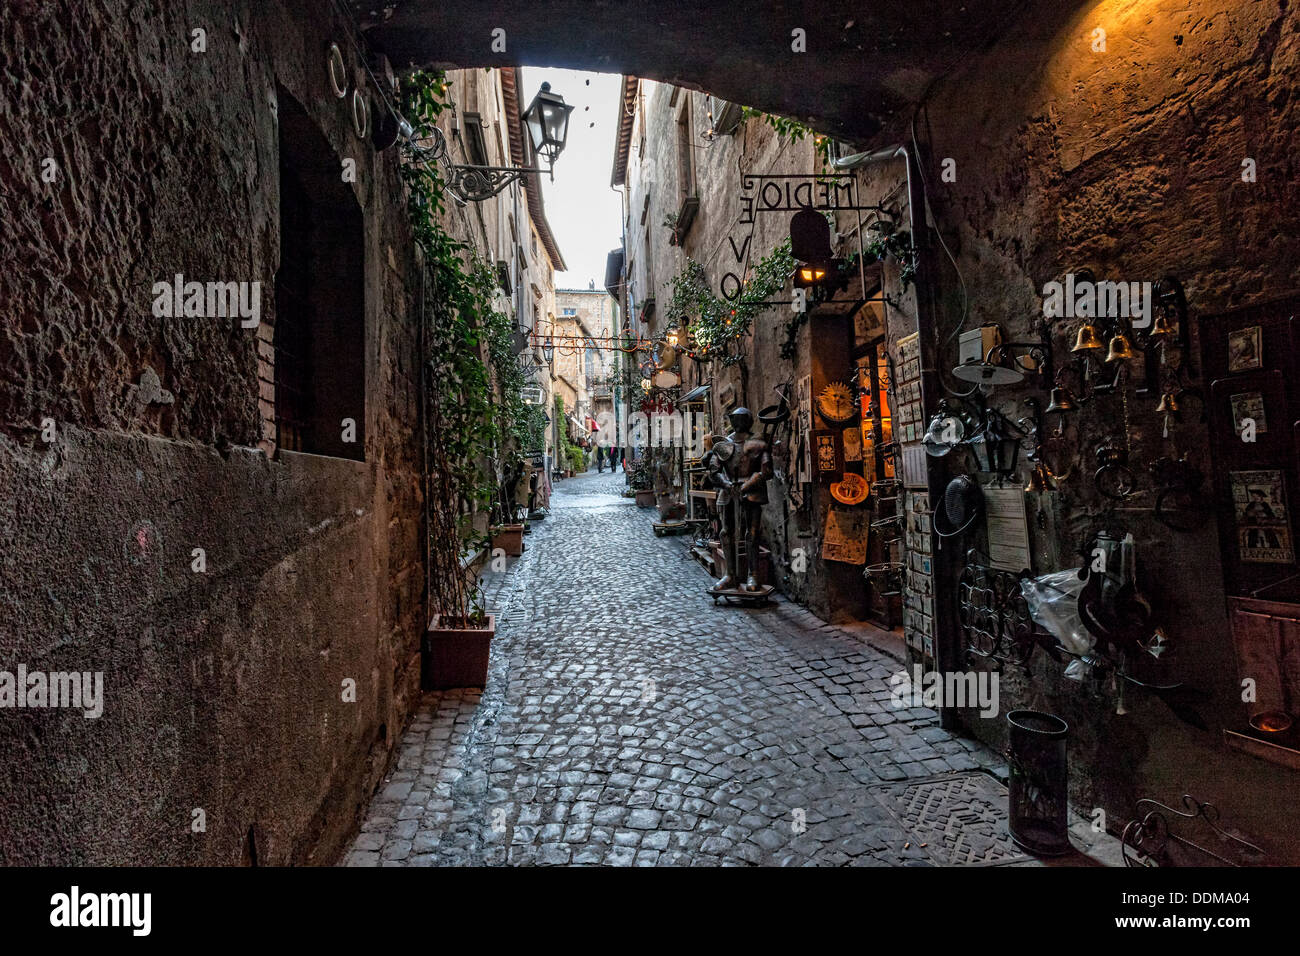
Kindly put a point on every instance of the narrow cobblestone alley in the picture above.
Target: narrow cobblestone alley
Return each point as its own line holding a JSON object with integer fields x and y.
{"x": 628, "y": 721}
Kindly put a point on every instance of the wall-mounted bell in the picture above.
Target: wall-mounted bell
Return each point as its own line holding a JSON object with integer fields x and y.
{"x": 1087, "y": 340}
{"x": 1168, "y": 402}
{"x": 1120, "y": 349}
{"x": 1161, "y": 328}
{"x": 1062, "y": 401}
{"x": 1039, "y": 477}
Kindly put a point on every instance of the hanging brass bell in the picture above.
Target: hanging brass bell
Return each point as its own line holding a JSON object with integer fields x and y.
{"x": 1087, "y": 340}
{"x": 1040, "y": 479}
{"x": 1120, "y": 349}
{"x": 1160, "y": 328}
{"x": 1036, "y": 482}
{"x": 1168, "y": 403}
{"x": 1061, "y": 401}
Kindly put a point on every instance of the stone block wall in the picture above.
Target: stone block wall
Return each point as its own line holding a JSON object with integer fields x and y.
{"x": 224, "y": 690}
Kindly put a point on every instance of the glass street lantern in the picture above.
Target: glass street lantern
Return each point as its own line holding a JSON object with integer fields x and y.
{"x": 547, "y": 120}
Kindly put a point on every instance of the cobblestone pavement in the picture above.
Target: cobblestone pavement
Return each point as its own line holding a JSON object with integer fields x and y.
{"x": 629, "y": 721}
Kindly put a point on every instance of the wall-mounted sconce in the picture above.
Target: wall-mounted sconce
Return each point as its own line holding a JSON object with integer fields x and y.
{"x": 547, "y": 123}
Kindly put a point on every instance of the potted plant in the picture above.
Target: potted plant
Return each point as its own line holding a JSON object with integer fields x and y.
{"x": 640, "y": 482}
{"x": 457, "y": 646}
{"x": 509, "y": 538}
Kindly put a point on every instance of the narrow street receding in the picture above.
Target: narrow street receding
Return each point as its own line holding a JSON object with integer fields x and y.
{"x": 628, "y": 722}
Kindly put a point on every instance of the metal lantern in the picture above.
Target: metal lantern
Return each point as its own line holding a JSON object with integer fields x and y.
{"x": 547, "y": 121}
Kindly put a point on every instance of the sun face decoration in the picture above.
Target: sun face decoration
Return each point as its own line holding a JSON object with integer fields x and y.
{"x": 836, "y": 404}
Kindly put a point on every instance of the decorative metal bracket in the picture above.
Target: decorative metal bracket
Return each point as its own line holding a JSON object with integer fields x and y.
{"x": 467, "y": 183}
{"x": 1149, "y": 838}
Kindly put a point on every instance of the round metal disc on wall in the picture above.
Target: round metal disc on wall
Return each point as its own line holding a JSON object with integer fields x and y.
{"x": 852, "y": 489}
{"x": 338, "y": 71}
{"x": 360, "y": 113}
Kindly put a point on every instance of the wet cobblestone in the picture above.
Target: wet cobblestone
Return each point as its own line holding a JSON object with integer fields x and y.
{"x": 628, "y": 721}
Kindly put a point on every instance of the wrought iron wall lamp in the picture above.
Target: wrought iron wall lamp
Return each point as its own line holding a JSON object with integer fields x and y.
{"x": 547, "y": 123}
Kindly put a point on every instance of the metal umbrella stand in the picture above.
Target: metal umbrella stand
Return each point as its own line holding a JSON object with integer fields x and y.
{"x": 1037, "y": 793}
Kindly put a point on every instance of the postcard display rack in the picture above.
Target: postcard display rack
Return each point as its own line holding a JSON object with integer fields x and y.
{"x": 1251, "y": 364}
{"x": 918, "y": 580}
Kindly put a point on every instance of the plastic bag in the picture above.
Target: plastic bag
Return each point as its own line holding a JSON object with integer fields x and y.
{"x": 1053, "y": 601}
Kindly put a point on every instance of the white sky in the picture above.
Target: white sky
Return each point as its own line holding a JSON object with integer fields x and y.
{"x": 583, "y": 211}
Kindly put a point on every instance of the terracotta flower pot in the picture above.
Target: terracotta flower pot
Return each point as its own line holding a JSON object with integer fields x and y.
{"x": 509, "y": 538}
{"x": 455, "y": 656}
{"x": 645, "y": 499}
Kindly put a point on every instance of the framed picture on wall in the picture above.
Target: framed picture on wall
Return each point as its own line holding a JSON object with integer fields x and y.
{"x": 1263, "y": 524}
{"x": 826, "y": 451}
{"x": 1248, "y": 405}
{"x": 1245, "y": 349}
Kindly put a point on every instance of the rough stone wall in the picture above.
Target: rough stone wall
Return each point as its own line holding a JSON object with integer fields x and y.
{"x": 1130, "y": 161}
{"x": 223, "y": 690}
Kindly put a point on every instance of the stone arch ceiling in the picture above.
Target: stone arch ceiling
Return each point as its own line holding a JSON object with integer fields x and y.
{"x": 867, "y": 62}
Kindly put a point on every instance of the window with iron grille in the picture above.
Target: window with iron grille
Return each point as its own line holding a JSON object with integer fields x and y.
{"x": 319, "y": 334}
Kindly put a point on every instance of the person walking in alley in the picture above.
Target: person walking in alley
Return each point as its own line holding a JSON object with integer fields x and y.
{"x": 600, "y": 459}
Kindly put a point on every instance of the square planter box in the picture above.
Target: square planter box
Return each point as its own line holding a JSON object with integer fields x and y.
{"x": 455, "y": 656}
{"x": 670, "y": 509}
{"x": 509, "y": 538}
{"x": 645, "y": 499}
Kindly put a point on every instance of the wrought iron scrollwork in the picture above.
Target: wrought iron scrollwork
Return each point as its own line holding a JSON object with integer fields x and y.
{"x": 1146, "y": 841}
{"x": 466, "y": 183}
{"x": 994, "y": 617}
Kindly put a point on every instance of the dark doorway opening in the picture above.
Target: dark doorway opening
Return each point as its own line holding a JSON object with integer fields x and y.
{"x": 319, "y": 340}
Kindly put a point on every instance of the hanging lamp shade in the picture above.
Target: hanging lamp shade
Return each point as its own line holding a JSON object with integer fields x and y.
{"x": 987, "y": 373}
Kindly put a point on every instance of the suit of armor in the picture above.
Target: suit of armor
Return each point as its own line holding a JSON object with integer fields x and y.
{"x": 740, "y": 470}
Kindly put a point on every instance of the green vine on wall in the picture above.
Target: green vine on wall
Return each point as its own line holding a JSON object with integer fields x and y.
{"x": 899, "y": 246}
{"x": 717, "y": 324}
{"x": 792, "y": 130}
{"x": 478, "y": 423}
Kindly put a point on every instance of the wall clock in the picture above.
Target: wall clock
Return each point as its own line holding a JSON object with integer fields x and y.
{"x": 836, "y": 404}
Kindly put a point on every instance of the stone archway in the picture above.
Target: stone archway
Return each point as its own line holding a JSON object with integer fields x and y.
{"x": 863, "y": 69}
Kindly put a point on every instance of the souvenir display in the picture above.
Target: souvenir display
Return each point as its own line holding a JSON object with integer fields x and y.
{"x": 1259, "y": 507}
{"x": 852, "y": 489}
